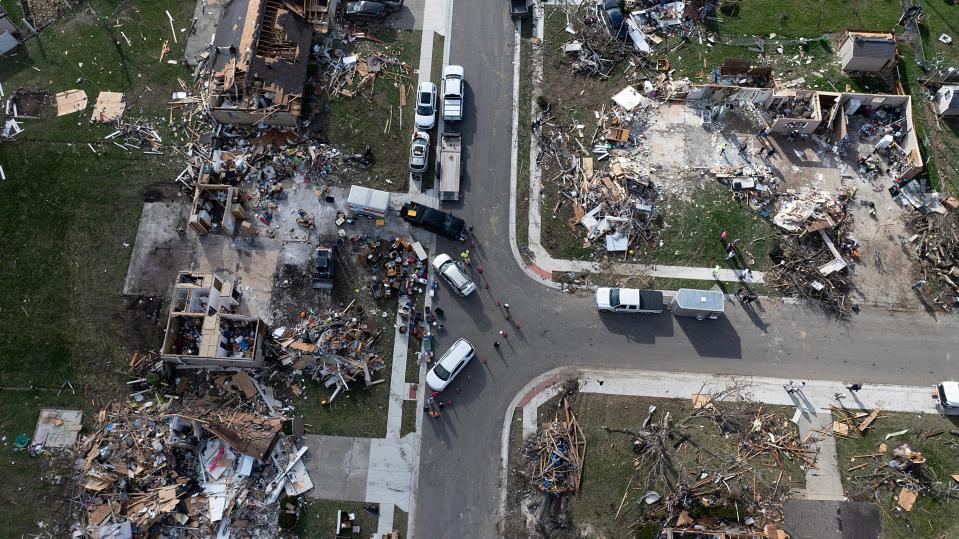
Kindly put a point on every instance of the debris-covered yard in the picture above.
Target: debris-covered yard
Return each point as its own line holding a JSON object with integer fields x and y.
{"x": 643, "y": 464}
{"x": 366, "y": 99}
{"x": 904, "y": 463}
{"x": 816, "y": 179}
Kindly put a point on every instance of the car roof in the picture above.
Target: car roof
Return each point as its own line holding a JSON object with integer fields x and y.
{"x": 426, "y": 87}
{"x": 457, "y": 352}
{"x": 453, "y": 70}
{"x": 455, "y": 274}
{"x": 951, "y": 390}
{"x": 629, "y": 296}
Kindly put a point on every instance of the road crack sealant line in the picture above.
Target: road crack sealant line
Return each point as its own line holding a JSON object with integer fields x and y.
{"x": 663, "y": 384}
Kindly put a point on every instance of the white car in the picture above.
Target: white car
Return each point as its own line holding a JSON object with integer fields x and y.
{"x": 419, "y": 152}
{"x": 454, "y": 275}
{"x": 947, "y": 393}
{"x": 425, "y": 106}
{"x": 453, "y": 93}
{"x": 452, "y": 363}
{"x": 629, "y": 300}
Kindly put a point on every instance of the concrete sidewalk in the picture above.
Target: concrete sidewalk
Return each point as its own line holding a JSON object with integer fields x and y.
{"x": 813, "y": 404}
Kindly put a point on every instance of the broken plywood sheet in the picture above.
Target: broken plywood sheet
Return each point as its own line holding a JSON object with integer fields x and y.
{"x": 907, "y": 498}
{"x": 109, "y": 107}
{"x": 71, "y": 101}
{"x": 58, "y": 428}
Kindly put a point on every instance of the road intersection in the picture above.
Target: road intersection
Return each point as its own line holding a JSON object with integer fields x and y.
{"x": 459, "y": 472}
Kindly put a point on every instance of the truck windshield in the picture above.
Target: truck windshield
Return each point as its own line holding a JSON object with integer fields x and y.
{"x": 614, "y": 297}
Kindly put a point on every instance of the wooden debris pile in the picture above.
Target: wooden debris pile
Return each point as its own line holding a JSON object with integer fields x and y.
{"x": 557, "y": 451}
{"x": 334, "y": 348}
{"x": 723, "y": 454}
{"x": 811, "y": 249}
{"x": 896, "y": 468}
{"x": 936, "y": 245}
{"x": 601, "y": 40}
{"x": 136, "y": 135}
{"x": 161, "y": 462}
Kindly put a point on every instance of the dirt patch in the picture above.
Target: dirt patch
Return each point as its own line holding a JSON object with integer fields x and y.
{"x": 161, "y": 192}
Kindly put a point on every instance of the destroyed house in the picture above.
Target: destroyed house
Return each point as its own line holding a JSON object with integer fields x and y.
{"x": 867, "y": 52}
{"x": 217, "y": 209}
{"x": 205, "y": 327}
{"x": 261, "y": 50}
{"x": 839, "y": 117}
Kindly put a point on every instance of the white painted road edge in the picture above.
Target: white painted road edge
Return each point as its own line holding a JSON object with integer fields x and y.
{"x": 816, "y": 394}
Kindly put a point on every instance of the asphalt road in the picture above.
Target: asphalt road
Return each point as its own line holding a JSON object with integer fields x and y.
{"x": 458, "y": 488}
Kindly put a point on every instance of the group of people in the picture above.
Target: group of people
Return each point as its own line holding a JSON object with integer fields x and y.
{"x": 434, "y": 404}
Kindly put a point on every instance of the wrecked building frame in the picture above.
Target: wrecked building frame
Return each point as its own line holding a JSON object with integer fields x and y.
{"x": 205, "y": 328}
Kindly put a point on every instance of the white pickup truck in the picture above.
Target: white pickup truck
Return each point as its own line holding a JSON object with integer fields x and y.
{"x": 453, "y": 93}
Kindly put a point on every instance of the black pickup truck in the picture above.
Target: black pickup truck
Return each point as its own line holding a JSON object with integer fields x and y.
{"x": 436, "y": 221}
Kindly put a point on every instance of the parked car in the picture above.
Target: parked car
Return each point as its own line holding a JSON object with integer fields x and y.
{"x": 454, "y": 275}
{"x": 419, "y": 152}
{"x": 436, "y": 221}
{"x": 614, "y": 18}
{"x": 629, "y": 300}
{"x": 425, "y": 117}
{"x": 365, "y": 10}
{"x": 450, "y": 364}
{"x": 453, "y": 82}
{"x": 323, "y": 268}
{"x": 947, "y": 393}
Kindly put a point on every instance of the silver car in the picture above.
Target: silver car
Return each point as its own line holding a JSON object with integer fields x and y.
{"x": 419, "y": 152}
{"x": 425, "y": 106}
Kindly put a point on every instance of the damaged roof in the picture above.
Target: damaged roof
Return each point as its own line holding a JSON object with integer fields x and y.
{"x": 873, "y": 45}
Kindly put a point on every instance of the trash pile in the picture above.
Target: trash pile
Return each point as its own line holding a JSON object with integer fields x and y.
{"x": 136, "y": 135}
{"x": 349, "y": 75}
{"x": 809, "y": 252}
{"x": 556, "y": 452}
{"x": 895, "y": 468}
{"x": 333, "y": 348}
{"x": 721, "y": 454}
{"x": 604, "y": 34}
{"x": 936, "y": 245}
{"x": 615, "y": 204}
{"x": 163, "y": 462}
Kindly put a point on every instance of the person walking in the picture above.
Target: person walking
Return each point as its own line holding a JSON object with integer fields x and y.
{"x": 502, "y": 334}
{"x": 854, "y": 387}
{"x": 496, "y": 344}
{"x": 722, "y": 150}
{"x": 716, "y": 271}
{"x": 465, "y": 255}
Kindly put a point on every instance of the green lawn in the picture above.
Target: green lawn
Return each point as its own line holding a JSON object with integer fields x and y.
{"x": 354, "y": 122}
{"x": 408, "y": 424}
{"x": 318, "y": 518}
{"x": 522, "y": 150}
{"x": 929, "y": 517}
{"x": 359, "y": 412}
{"x": 942, "y": 17}
{"x": 808, "y": 18}
{"x": 69, "y": 214}
{"x": 609, "y": 461}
